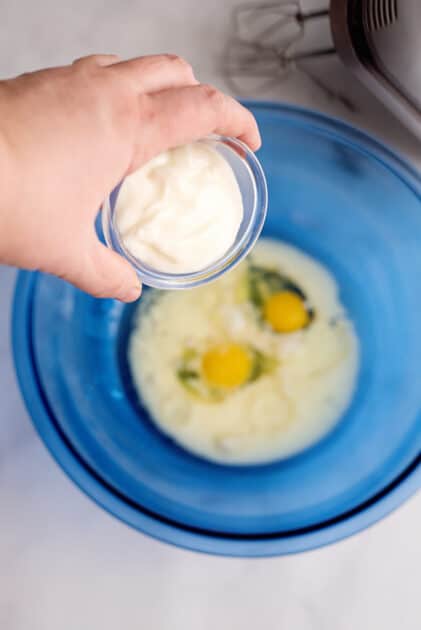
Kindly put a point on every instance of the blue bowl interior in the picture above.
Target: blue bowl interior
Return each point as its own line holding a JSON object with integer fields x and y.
{"x": 351, "y": 205}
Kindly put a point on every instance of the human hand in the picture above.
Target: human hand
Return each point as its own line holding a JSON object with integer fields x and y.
{"x": 68, "y": 135}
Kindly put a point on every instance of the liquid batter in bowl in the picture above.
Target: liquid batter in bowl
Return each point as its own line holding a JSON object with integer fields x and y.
{"x": 254, "y": 367}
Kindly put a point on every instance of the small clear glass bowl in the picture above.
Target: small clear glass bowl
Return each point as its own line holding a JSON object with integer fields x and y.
{"x": 252, "y": 183}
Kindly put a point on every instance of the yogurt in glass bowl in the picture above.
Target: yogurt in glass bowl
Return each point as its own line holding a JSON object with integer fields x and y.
{"x": 190, "y": 214}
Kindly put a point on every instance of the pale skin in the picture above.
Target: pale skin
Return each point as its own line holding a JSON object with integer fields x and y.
{"x": 68, "y": 135}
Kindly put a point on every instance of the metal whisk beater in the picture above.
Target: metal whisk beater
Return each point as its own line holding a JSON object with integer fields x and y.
{"x": 264, "y": 42}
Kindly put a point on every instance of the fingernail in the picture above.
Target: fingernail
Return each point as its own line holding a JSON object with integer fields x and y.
{"x": 132, "y": 294}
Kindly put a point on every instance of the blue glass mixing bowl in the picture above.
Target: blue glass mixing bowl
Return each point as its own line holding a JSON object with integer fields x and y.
{"x": 356, "y": 207}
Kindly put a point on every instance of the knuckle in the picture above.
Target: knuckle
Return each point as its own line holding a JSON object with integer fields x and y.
{"x": 84, "y": 61}
{"x": 97, "y": 59}
{"x": 78, "y": 61}
{"x": 181, "y": 63}
{"x": 213, "y": 96}
{"x": 171, "y": 57}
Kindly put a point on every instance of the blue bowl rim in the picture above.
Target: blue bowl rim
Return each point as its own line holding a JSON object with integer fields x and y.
{"x": 278, "y": 543}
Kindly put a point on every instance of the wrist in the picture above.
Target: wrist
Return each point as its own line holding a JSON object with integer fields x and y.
{"x": 7, "y": 169}
{"x": 9, "y": 192}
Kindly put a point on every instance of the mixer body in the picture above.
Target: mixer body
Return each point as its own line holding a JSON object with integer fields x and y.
{"x": 379, "y": 40}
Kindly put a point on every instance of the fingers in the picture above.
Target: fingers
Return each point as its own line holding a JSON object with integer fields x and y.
{"x": 174, "y": 108}
{"x": 157, "y": 72}
{"x": 153, "y": 73}
{"x": 182, "y": 115}
{"x": 104, "y": 274}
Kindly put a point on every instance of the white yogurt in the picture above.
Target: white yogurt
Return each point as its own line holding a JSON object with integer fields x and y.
{"x": 181, "y": 211}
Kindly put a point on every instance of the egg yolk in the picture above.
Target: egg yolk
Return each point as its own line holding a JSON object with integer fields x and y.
{"x": 227, "y": 365}
{"x": 286, "y": 312}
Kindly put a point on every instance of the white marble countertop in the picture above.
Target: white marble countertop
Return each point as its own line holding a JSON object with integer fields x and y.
{"x": 64, "y": 563}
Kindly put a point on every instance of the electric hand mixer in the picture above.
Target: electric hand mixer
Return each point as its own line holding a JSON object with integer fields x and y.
{"x": 378, "y": 40}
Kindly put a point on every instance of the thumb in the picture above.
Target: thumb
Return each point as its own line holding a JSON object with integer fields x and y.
{"x": 106, "y": 274}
